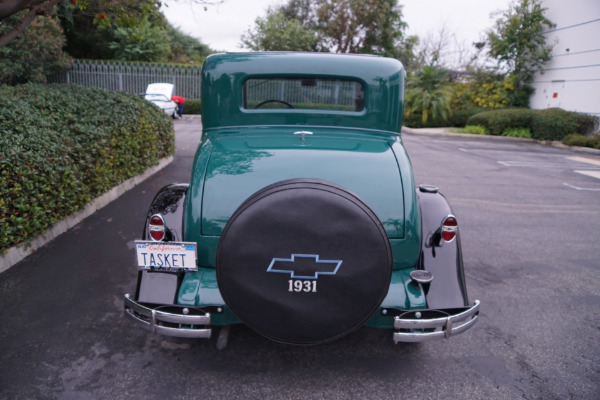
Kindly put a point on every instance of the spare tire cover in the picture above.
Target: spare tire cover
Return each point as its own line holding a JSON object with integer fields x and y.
{"x": 304, "y": 261}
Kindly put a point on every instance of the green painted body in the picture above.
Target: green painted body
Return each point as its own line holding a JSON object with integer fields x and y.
{"x": 244, "y": 150}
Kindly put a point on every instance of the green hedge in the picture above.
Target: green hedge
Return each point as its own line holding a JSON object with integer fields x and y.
{"x": 193, "y": 107}
{"x": 498, "y": 121}
{"x": 63, "y": 145}
{"x": 549, "y": 124}
{"x": 582, "y": 141}
{"x": 458, "y": 118}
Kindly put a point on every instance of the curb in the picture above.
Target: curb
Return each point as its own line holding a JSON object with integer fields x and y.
{"x": 19, "y": 252}
{"x": 445, "y": 133}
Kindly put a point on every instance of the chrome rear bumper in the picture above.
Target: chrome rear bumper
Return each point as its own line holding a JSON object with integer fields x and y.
{"x": 168, "y": 323}
{"x": 422, "y": 330}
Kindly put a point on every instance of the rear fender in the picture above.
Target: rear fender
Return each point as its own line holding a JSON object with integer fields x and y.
{"x": 442, "y": 259}
{"x": 161, "y": 287}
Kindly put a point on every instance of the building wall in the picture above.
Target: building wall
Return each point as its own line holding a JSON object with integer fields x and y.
{"x": 571, "y": 79}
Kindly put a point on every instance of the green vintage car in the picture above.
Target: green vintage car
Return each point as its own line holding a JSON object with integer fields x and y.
{"x": 301, "y": 218}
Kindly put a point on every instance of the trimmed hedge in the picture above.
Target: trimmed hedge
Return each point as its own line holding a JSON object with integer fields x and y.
{"x": 549, "y": 124}
{"x": 582, "y": 141}
{"x": 458, "y": 118}
{"x": 63, "y": 145}
{"x": 192, "y": 107}
{"x": 498, "y": 121}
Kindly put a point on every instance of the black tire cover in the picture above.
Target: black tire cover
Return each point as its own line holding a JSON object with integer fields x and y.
{"x": 304, "y": 261}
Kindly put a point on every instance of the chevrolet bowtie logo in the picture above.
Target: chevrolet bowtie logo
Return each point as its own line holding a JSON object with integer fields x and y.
{"x": 304, "y": 266}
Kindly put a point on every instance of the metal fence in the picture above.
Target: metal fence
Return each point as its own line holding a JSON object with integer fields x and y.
{"x": 316, "y": 91}
{"x": 131, "y": 77}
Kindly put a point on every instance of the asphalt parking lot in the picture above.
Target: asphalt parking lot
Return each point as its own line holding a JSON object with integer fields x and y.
{"x": 528, "y": 215}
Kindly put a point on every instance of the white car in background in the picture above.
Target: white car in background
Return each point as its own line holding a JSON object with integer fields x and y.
{"x": 160, "y": 95}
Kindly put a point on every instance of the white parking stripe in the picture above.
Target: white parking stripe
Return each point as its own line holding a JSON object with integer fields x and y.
{"x": 587, "y": 160}
{"x": 593, "y": 174}
{"x": 580, "y": 188}
{"x": 542, "y": 165}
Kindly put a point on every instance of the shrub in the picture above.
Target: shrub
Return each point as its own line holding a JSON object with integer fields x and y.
{"x": 63, "y": 145}
{"x": 586, "y": 123}
{"x": 518, "y": 133}
{"x": 582, "y": 141}
{"x": 460, "y": 117}
{"x": 415, "y": 120}
{"x": 549, "y": 124}
{"x": 35, "y": 53}
{"x": 552, "y": 124}
{"x": 193, "y": 106}
{"x": 498, "y": 121}
{"x": 475, "y": 129}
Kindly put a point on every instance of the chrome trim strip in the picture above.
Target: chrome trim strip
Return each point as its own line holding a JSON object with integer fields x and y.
{"x": 445, "y": 327}
{"x": 155, "y": 317}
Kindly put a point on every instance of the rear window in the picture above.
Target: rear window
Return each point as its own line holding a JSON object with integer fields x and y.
{"x": 303, "y": 93}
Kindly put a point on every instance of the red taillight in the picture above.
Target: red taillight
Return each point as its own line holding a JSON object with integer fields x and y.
{"x": 157, "y": 228}
{"x": 449, "y": 228}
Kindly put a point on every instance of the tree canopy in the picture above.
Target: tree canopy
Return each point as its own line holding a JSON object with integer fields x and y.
{"x": 517, "y": 41}
{"x": 34, "y": 54}
{"x": 342, "y": 26}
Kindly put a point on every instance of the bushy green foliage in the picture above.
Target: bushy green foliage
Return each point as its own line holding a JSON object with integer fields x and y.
{"x": 498, "y": 121}
{"x": 130, "y": 30}
{"x": 461, "y": 116}
{"x": 549, "y": 124}
{"x": 275, "y": 32}
{"x": 36, "y": 53}
{"x": 518, "y": 133}
{"x": 582, "y": 141}
{"x": 142, "y": 42}
{"x": 415, "y": 120}
{"x": 475, "y": 129}
{"x": 586, "y": 123}
{"x": 483, "y": 90}
{"x": 341, "y": 26}
{"x": 63, "y": 145}
{"x": 428, "y": 94}
{"x": 192, "y": 106}
{"x": 553, "y": 124}
{"x": 518, "y": 43}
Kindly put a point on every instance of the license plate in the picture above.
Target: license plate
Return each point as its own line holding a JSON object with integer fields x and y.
{"x": 178, "y": 256}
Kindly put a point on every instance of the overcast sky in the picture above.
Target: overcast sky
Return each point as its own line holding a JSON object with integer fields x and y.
{"x": 221, "y": 27}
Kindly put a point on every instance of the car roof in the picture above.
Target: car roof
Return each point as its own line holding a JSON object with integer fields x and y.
{"x": 223, "y": 76}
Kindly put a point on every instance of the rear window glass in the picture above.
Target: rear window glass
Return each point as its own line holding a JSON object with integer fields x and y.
{"x": 303, "y": 93}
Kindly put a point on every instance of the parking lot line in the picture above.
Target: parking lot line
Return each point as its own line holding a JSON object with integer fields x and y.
{"x": 593, "y": 174}
{"x": 587, "y": 160}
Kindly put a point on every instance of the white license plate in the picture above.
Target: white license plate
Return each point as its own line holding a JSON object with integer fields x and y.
{"x": 166, "y": 255}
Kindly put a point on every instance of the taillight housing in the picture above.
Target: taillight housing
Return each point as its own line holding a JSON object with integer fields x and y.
{"x": 157, "y": 228}
{"x": 449, "y": 228}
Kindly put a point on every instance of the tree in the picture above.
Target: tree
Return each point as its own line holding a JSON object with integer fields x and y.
{"x": 442, "y": 49}
{"x": 518, "y": 43}
{"x": 186, "y": 49}
{"x": 34, "y": 8}
{"x": 361, "y": 26}
{"x": 429, "y": 94}
{"x": 276, "y": 32}
{"x": 147, "y": 37}
{"x": 342, "y": 26}
{"x": 142, "y": 42}
{"x": 104, "y": 12}
{"x": 33, "y": 55}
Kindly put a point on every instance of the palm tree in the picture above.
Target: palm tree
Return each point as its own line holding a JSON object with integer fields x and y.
{"x": 428, "y": 93}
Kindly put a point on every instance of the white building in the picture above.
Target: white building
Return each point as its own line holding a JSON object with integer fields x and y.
{"x": 571, "y": 79}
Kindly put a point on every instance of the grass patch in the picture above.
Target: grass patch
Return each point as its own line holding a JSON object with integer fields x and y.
{"x": 524, "y": 133}
{"x": 472, "y": 129}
